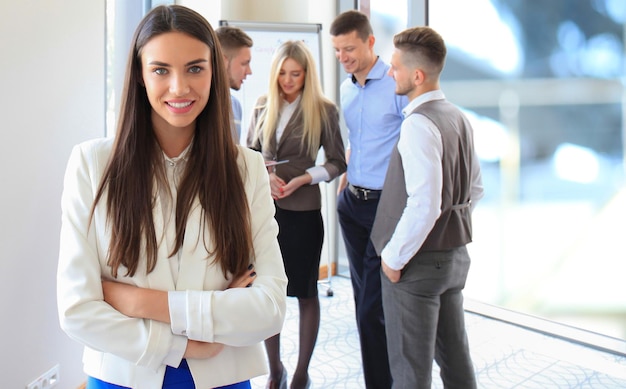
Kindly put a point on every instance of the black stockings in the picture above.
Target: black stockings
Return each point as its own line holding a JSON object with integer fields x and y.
{"x": 309, "y": 326}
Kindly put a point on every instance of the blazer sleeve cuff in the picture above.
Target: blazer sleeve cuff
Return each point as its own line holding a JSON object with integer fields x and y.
{"x": 190, "y": 314}
{"x": 318, "y": 174}
{"x": 178, "y": 317}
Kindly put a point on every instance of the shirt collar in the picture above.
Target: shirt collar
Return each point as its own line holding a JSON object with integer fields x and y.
{"x": 421, "y": 99}
{"x": 378, "y": 71}
{"x": 181, "y": 156}
{"x": 285, "y": 103}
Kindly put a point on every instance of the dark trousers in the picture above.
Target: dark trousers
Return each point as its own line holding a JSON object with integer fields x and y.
{"x": 425, "y": 321}
{"x": 356, "y": 218}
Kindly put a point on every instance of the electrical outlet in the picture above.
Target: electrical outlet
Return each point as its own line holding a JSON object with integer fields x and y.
{"x": 47, "y": 380}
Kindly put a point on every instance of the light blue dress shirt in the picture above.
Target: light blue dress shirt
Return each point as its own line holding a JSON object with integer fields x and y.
{"x": 237, "y": 115}
{"x": 373, "y": 114}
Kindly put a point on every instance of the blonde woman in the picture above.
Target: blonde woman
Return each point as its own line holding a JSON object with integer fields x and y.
{"x": 291, "y": 123}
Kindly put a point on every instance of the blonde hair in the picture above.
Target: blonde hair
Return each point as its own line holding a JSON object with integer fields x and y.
{"x": 312, "y": 102}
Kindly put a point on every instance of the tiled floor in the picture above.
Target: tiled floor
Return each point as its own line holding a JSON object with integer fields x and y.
{"x": 504, "y": 355}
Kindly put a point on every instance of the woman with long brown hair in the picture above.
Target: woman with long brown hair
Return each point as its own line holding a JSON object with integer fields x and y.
{"x": 169, "y": 267}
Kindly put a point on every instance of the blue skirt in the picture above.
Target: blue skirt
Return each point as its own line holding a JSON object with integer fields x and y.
{"x": 175, "y": 378}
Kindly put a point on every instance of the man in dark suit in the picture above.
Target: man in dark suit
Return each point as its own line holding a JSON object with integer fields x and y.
{"x": 373, "y": 114}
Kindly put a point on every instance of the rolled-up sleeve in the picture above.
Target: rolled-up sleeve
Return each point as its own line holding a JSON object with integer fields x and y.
{"x": 241, "y": 316}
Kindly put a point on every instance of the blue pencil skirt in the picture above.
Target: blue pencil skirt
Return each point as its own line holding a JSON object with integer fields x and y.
{"x": 174, "y": 379}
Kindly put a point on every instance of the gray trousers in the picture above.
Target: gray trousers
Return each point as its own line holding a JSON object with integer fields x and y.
{"x": 424, "y": 320}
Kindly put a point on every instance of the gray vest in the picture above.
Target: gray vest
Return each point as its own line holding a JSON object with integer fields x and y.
{"x": 453, "y": 228}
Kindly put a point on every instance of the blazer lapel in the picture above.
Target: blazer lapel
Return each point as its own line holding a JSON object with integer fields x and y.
{"x": 294, "y": 123}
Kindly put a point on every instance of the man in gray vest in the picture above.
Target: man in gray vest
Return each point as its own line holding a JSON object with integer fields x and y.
{"x": 423, "y": 222}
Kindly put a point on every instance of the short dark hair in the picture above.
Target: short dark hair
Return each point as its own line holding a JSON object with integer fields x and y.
{"x": 422, "y": 45}
{"x": 350, "y": 21}
{"x": 232, "y": 38}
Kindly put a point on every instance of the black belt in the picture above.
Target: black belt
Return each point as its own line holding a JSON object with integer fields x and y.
{"x": 364, "y": 193}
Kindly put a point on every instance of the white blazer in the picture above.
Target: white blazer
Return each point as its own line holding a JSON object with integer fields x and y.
{"x": 132, "y": 352}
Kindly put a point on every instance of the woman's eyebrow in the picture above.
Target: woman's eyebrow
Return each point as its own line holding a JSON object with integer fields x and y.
{"x": 158, "y": 63}
{"x": 197, "y": 61}
{"x": 194, "y": 62}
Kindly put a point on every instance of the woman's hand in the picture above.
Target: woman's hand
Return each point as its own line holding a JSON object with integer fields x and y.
{"x": 245, "y": 280}
{"x": 202, "y": 350}
{"x": 294, "y": 184}
{"x": 286, "y": 189}
{"x": 276, "y": 183}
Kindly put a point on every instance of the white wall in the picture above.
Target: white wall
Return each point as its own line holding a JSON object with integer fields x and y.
{"x": 52, "y": 78}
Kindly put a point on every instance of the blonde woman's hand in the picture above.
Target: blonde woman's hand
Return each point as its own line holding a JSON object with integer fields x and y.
{"x": 245, "y": 280}
{"x": 276, "y": 184}
{"x": 293, "y": 185}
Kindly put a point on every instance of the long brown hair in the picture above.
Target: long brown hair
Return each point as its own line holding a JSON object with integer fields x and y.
{"x": 211, "y": 175}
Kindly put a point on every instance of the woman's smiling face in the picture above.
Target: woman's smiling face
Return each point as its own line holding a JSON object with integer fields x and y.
{"x": 177, "y": 75}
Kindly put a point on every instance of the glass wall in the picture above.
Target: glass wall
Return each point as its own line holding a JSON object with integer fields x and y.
{"x": 543, "y": 84}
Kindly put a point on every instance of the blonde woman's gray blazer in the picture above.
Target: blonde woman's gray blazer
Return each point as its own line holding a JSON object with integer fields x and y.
{"x": 307, "y": 197}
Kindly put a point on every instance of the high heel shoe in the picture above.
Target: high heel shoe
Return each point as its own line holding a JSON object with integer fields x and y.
{"x": 282, "y": 384}
{"x": 308, "y": 384}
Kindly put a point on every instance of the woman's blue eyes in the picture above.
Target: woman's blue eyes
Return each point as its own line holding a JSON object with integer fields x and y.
{"x": 164, "y": 71}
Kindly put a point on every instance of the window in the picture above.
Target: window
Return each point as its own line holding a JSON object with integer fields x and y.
{"x": 542, "y": 83}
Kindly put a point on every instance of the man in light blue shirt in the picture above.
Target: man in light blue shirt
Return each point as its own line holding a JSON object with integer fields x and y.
{"x": 373, "y": 114}
{"x": 236, "y": 47}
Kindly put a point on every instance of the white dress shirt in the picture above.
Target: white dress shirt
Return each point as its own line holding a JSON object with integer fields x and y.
{"x": 421, "y": 150}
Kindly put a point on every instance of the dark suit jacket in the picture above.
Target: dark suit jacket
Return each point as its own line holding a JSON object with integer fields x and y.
{"x": 307, "y": 197}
